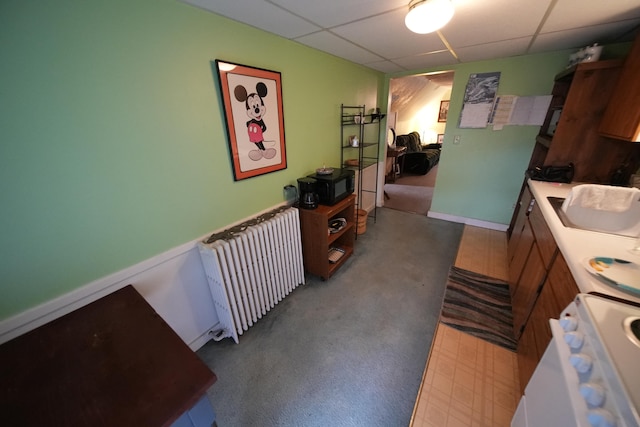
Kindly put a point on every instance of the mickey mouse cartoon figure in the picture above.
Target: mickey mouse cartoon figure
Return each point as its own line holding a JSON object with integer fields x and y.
{"x": 256, "y": 127}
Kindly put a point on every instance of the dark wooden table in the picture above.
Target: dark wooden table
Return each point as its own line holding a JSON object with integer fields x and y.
{"x": 114, "y": 362}
{"x": 396, "y": 161}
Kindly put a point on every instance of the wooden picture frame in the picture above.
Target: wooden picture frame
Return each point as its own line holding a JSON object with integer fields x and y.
{"x": 444, "y": 110}
{"x": 252, "y": 100}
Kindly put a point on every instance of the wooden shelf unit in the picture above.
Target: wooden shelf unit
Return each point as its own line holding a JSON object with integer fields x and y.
{"x": 316, "y": 239}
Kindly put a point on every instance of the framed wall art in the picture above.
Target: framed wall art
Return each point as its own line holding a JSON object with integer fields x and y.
{"x": 444, "y": 109}
{"x": 252, "y": 100}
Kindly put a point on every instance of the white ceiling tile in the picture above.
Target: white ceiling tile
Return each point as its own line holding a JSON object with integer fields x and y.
{"x": 578, "y": 13}
{"x": 387, "y": 36}
{"x": 341, "y": 12}
{"x": 581, "y": 37}
{"x": 494, "y": 50}
{"x": 372, "y": 32}
{"x": 259, "y": 14}
{"x": 426, "y": 60}
{"x": 479, "y": 22}
{"x": 334, "y": 45}
{"x": 385, "y": 66}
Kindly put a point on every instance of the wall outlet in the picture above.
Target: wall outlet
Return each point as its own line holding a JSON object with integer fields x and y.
{"x": 456, "y": 139}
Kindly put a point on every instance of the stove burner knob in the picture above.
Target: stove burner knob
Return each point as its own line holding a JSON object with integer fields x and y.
{"x": 574, "y": 339}
{"x": 569, "y": 323}
{"x": 601, "y": 418}
{"x": 593, "y": 394}
{"x": 581, "y": 362}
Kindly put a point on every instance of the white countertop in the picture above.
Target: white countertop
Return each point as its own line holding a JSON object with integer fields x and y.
{"x": 578, "y": 245}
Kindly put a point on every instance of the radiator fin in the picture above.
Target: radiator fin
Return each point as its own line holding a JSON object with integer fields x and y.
{"x": 252, "y": 267}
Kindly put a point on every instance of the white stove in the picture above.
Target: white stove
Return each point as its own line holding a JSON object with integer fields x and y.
{"x": 588, "y": 376}
{"x": 615, "y": 327}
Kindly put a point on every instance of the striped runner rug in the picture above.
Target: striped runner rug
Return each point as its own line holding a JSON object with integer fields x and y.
{"x": 480, "y": 306}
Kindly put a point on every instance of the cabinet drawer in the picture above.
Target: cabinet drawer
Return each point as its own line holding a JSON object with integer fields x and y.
{"x": 544, "y": 239}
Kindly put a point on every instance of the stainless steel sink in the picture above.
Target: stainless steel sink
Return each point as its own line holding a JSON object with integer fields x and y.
{"x": 556, "y": 204}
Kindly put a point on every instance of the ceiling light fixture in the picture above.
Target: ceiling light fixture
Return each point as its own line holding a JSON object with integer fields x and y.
{"x": 427, "y": 16}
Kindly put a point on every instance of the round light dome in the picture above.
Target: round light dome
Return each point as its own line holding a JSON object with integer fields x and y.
{"x": 427, "y": 16}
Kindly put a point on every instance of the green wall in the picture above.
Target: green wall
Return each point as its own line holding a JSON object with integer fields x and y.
{"x": 481, "y": 177}
{"x": 113, "y": 146}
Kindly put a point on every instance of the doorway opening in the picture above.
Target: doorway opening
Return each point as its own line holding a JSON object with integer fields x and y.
{"x": 418, "y": 108}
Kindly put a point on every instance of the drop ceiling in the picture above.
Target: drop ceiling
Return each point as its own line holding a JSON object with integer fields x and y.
{"x": 372, "y": 32}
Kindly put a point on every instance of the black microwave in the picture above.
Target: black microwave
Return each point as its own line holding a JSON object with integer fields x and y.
{"x": 333, "y": 187}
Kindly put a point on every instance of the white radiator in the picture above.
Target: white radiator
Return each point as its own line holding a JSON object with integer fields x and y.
{"x": 252, "y": 267}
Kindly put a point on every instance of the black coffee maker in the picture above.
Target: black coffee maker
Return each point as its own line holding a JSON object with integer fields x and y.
{"x": 308, "y": 195}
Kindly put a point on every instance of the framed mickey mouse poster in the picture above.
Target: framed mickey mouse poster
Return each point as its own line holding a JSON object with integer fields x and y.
{"x": 252, "y": 100}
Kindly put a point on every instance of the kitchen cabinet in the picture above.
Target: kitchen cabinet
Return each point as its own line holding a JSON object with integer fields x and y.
{"x": 527, "y": 290}
{"x": 527, "y": 356}
{"x": 557, "y": 292}
{"x": 535, "y": 252}
{"x": 521, "y": 254}
{"x": 317, "y": 240}
{"x": 545, "y": 242}
{"x": 540, "y": 281}
{"x": 521, "y": 240}
{"x": 523, "y": 207}
{"x": 621, "y": 119}
{"x": 563, "y": 285}
{"x": 570, "y": 134}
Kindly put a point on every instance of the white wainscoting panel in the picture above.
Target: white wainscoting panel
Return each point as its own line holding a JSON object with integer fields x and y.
{"x": 173, "y": 283}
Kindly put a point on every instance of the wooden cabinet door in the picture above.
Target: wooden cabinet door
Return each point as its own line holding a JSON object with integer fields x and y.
{"x": 531, "y": 279}
{"x": 576, "y": 138}
{"x": 562, "y": 283}
{"x": 522, "y": 211}
{"x": 557, "y": 292}
{"x": 537, "y": 334}
{"x": 542, "y": 234}
{"x": 621, "y": 119}
{"x": 520, "y": 256}
{"x": 527, "y": 356}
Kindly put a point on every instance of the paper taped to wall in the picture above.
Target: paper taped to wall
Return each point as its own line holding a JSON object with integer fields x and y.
{"x": 519, "y": 110}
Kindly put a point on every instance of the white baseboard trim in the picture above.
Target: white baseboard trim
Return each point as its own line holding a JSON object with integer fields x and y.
{"x": 202, "y": 339}
{"x": 468, "y": 221}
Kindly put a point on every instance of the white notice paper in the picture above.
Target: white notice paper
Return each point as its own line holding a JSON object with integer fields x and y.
{"x": 530, "y": 110}
{"x": 475, "y": 115}
{"x": 502, "y": 111}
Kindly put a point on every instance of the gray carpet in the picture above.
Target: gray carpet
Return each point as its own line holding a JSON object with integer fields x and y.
{"x": 349, "y": 351}
{"x": 408, "y": 198}
{"x": 411, "y": 193}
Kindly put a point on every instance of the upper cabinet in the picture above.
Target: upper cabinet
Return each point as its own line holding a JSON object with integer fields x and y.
{"x": 570, "y": 132}
{"x": 621, "y": 119}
